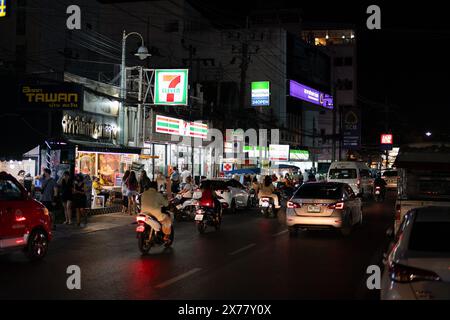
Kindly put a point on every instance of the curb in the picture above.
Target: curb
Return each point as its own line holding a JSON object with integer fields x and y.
{"x": 100, "y": 211}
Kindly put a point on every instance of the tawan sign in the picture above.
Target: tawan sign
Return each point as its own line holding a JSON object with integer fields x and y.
{"x": 3, "y": 8}
{"x": 180, "y": 127}
{"x": 261, "y": 94}
{"x": 171, "y": 87}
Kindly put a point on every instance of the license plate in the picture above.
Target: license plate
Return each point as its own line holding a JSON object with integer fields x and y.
{"x": 313, "y": 209}
{"x": 377, "y": 192}
{"x": 265, "y": 204}
{"x": 198, "y": 217}
{"x": 179, "y": 206}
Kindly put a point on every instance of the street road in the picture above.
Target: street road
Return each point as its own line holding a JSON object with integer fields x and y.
{"x": 249, "y": 258}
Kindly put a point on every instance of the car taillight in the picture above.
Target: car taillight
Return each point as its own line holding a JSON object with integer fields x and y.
{"x": 20, "y": 218}
{"x": 140, "y": 218}
{"x": 337, "y": 206}
{"x": 265, "y": 199}
{"x": 293, "y": 205}
{"x": 404, "y": 274}
{"x": 377, "y": 188}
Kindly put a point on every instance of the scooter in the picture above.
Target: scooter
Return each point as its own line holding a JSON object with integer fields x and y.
{"x": 150, "y": 234}
{"x": 183, "y": 208}
{"x": 208, "y": 215}
{"x": 253, "y": 198}
{"x": 267, "y": 207}
{"x": 379, "y": 194}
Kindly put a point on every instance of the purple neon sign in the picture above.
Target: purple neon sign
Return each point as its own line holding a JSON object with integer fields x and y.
{"x": 308, "y": 94}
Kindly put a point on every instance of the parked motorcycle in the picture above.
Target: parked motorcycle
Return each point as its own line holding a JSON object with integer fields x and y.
{"x": 253, "y": 198}
{"x": 150, "y": 234}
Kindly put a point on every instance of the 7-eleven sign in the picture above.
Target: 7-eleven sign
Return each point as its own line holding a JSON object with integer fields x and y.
{"x": 171, "y": 86}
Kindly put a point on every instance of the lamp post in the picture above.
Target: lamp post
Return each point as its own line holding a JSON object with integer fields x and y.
{"x": 142, "y": 53}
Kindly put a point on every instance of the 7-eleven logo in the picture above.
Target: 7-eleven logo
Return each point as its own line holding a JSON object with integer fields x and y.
{"x": 171, "y": 87}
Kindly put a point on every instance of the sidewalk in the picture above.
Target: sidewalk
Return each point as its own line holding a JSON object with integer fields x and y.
{"x": 95, "y": 223}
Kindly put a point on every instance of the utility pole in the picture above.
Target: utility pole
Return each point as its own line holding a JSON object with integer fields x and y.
{"x": 333, "y": 158}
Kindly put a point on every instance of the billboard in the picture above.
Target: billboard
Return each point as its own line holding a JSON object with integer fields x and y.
{"x": 305, "y": 93}
{"x": 180, "y": 127}
{"x": 67, "y": 96}
{"x": 260, "y": 94}
{"x": 171, "y": 87}
{"x": 351, "y": 128}
{"x": 278, "y": 152}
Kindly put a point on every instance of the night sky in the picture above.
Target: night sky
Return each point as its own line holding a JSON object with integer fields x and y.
{"x": 406, "y": 63}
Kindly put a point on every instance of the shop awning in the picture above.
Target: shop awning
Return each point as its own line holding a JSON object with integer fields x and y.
{"x": 33, "y": 153}
{"x": 103, "y": 147}
{"x": 245, "y": 171}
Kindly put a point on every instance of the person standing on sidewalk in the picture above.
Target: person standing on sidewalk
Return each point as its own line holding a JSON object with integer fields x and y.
{"x": 144, "y": 182}
{"x": 88, "y": 190}
{"x": 49, "y": 193}
{"x": 65, "y": 185}
{"x": 133, "y": 191}
{"x": 125, "y": 177}
{"x": 79, "y": 199}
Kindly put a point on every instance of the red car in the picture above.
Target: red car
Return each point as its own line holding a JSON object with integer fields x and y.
{"x": 25, "y": 224}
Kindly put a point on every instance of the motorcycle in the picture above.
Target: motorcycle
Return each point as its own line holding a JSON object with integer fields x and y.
{"x": 184, "y": 208}
{"x": 149, "y": 233}
{"x": 207, "y": 214}
{"x": 267, "y": 206}
{"x": 378, "y": 194}
{"x": 253, "y": 198}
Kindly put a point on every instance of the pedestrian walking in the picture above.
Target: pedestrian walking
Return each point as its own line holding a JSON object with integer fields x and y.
{"x": 66, "y": 184}
{"x": 79, "y": 199}
{"x": 175, "y": 180}
{"x": 144, "y": 182}
{"x": 124, "y": 187}
{"x": 133, "y": 187}
{"x": 49, "y": 193}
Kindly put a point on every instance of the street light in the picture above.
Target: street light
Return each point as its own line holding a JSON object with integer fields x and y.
{"x": 428, "y": 134}
{"x": 142, "y": 53}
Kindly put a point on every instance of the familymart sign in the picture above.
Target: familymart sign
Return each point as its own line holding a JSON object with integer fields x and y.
{"x": 171, "y": 87}
{"x": 180, "y": 127}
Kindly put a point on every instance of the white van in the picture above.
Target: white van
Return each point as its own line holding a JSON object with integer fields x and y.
{"x": 356, "y": 174}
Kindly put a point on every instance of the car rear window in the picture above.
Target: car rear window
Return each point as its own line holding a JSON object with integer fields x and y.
{"x": 430, "y": 237}
{"x": 9, "y": 190}
{"x": 317, "y": 191}
{"x": 343, "y": 174}
{"x": 390, "y": 174}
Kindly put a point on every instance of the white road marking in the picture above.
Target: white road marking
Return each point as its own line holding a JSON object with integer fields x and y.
{"x": 280, "y": 233}
{"x": 242, "y": 249}
{"x": 178, "y": 278}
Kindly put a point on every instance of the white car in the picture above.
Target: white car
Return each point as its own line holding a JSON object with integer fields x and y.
{"x": 326, "y": 205}
{"x": 354, "y": 173}
{"x": 233, "y": 193}
{"x": 418, "y": 264}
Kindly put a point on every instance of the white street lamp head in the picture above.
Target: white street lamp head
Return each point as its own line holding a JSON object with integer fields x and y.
{"x": 142, "y": 53}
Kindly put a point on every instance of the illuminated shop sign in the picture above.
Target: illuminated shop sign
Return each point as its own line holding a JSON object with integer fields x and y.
{"x": 180, "y": 127}
{"x": 65, "y": 96}
{"x": 171, "y": 87}
{"x": 305, "y": 93}
{"x": 261, "y": 94}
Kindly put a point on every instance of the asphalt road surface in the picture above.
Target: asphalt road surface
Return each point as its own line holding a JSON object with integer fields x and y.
{"x": 249, "y": 258}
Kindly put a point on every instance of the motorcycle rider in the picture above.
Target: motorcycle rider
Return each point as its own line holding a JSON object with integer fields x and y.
{"x": 268, "y": 190}
{"x": 151, "y": 203}
{"x": 379, "y": 182}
